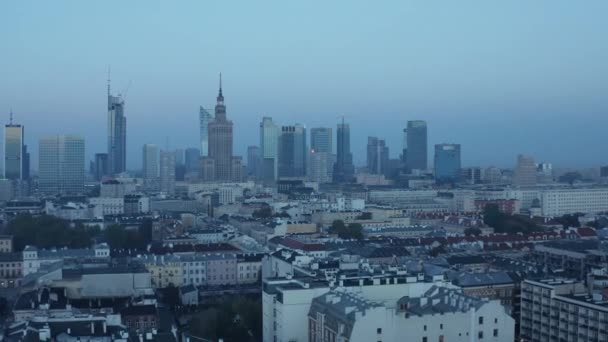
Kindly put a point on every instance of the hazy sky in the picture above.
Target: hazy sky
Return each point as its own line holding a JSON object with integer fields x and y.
{"x": 498, "y": 77}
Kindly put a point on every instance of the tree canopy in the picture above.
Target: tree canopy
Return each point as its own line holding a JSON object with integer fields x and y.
{"x": 351, "y": 231}
{"x": 505, "y": 223}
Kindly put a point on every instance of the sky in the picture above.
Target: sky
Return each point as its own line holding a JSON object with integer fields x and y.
{"x": 500, "y": 78}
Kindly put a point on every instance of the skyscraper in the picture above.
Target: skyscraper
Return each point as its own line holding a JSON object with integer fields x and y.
{"x": 13, "y": 150}
{"x": 193, "y": 163}
{"x": 447, "y": 163}
{"x": 117, "y": 134}
{"x": 343, "y": 169}
{"x": 253, "y": 161}
{"x": 204, "y": 118}
{"x": 61, "y": 164}
{"x": 167, "y": 172}
{"x": 220, "y": 140}
{"x": 100, "y": 166}
{"x": 525, "y": 171}
{"x": 269, "y": 149}
{"x": 416, "y": 151}
{"x": 292, "y": 151}
{"x": 25, "y": 169}
{"x": 150, "y": 167}
{"x": 321, "y": 139}
{"x": 377, "y": 156}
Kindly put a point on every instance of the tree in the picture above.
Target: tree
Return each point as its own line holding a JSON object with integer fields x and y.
{"x": 262, "y": 213}
{"x": 337, "y": 227}
{"x": 116, "y": 236}
{"x": 504, "y": 223}
{"x": 352, "y": 231}
{"x": 355, "y": 231}
{"x": 49, "y": 232}
{"x": 472, "y": 231}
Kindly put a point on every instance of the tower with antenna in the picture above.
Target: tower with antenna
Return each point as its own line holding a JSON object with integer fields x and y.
{"x": 13, "y": 150}
{"x": 117, "y": 132}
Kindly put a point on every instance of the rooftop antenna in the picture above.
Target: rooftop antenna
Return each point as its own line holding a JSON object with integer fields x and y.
{"x": 109, "y": 72}
{"x": 11, "y": 119}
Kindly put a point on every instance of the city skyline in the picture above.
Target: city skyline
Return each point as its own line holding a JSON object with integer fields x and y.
{"x": 536, "y": 93}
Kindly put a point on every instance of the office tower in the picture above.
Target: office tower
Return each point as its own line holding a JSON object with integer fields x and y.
{"x": 447, "y": 163}
{"x": 269, "y": 149}
{"x": 117, "y": 134}
{"x": 25, "y": 169}
{"x": 319, "y": 166}
{"x": 237, "y": 169}
{"x": 150, "y": 167}
{"x": 167, "y": 172}
{"x": 343, "y": 169}
{"x": 220, "y": 140}
{"x": 416, "y": 150}
{"x": 180, "y": 166}
{"x": 544, "y": 172}
{"x": 525, "y": 171}
{"x": 377, "y": 156}
{"x": 207, "y": 169}
{"x": 100, "y": 166}
{"x": 321, "y": 139}
{"x": 204, "y": 118}
{"x": 61, "y": 164}
{"x": 13, "y": 150}
{"x": 604, "y": 172}
{"x": 253, "y": 161}
{"x": 471, "y": 175}
{"x": 292, "y": 151}
{"x": 492, "y": 175}
{"x": 193, "y": 163}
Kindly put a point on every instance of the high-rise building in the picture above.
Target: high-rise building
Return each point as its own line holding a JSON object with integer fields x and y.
{"x": 525, "y": 171}
{"x": 180, "y": 166}
{"x": 269, "y": 149}
{"x": 343, "y": 168}
{"x": 319, "y": 166}
{"x": 117, "y": 134}
{"x": 61, "y": 164}
{"x": 13, "y": 151}
{"x": 25, "y": 169}
{"x": 321, "y": 139}
{"x": 471, "y": 175}
{"x": 492, "y": 175}
{"x": 416, "y": 153}
{"x": 237, "y": 168}
{"x": 204, "y": 118}
{"x": 167, "y": 172}
{"x": 150, "y": 167}
{"x": 447, "y": 163}
{"x": 207, "y": 169}
{"x": 100, "y": 166}
{"x": 292, "y": 151}
{"x": 220, "y": 140}
{"x": 377, "y": 156}
{"x": 253, "y": 161}
{"x": 193, "y": 163}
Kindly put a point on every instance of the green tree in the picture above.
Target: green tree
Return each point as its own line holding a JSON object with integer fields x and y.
{"x": 49, "y": 232}
{"x": 355, "y": 231}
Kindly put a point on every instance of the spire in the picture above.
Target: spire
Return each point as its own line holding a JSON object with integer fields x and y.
{"x": 220, "y": 96}
{"x": 11, "y": 119}
{"x": 109, "y": 71}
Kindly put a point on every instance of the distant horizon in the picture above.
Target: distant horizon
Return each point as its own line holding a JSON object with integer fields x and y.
{"x": 499, "y": 79}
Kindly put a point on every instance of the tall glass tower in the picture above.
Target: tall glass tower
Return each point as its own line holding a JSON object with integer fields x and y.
{"x": 13, "y": 150}
{"x": 204, "y": 118}
{"x": 417, "y": 153}
{"x": 61, "y": 164}
{"x": 117, "y": 134}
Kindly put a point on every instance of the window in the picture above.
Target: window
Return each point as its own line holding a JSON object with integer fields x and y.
{"x": 495, "y": 320}
{"x": 425, "y": 328}
{"x": 441, "y": 326}
{"x": 424, "y": 339}
{"x": 379, "y": 330}
{"x": 480, "y": 319}
{"x": 480, "y": 335}
{"x": 495, "y": 332}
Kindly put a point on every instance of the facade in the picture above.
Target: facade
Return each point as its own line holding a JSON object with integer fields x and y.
{"x": 237, "y": 169}
{"x": 61, "y": 164}
{"x": 525, "y": 171}
{"x": 253, "y": 161}
{"x": 440, "y": 314}
{"x": 192, "y": 161}
{"x": 207, "y": 169}
{"x": 100, "y": 166}
{"x": 377, "y": 156}
{"x": 561, "y": 310}
{"x": 167, "y": 172}
{"x": 204, "y": 118}
{"x": 416, "y": 154}
{"x": 221, "y": 269}
{"x": 470, "y": 175}
{"x": 320, "y": 166}
{"x": 13, "y": 151}
{"x": 150, "y": 167}
{"x": 344, "y": 169}
{"x": 557, "y": 202}
{"x": 220, "y": 140}
{"x": 321, "y": 139}
{"x": 249, "y": 268}
{"x": 292, "y": 151}
{"x": 447, "y": 163}
{"x": 269, "y": 149}
{"x": 117, "y": 134}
